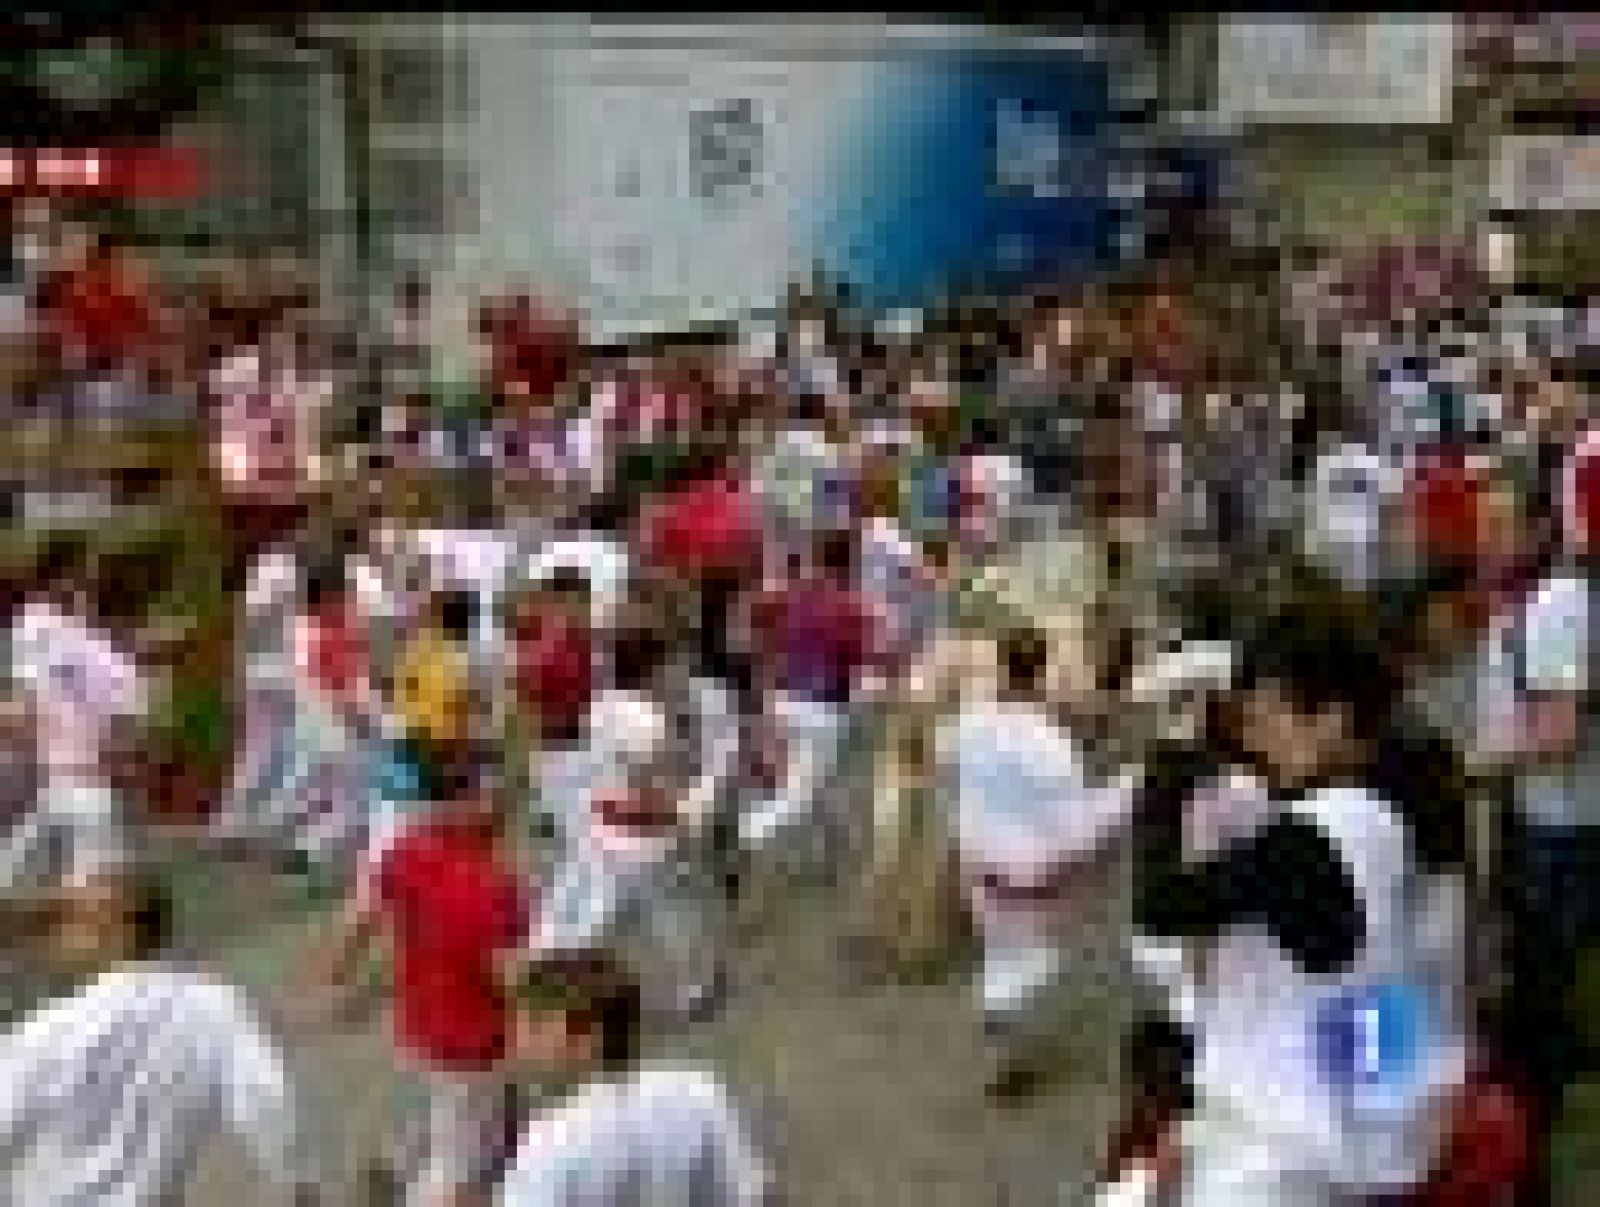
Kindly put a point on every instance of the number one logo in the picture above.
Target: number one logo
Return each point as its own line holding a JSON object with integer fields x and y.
{"x": 1371, "y": 1042}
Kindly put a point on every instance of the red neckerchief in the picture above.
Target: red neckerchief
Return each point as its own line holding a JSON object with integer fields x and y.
{"x": 640, "y": 813}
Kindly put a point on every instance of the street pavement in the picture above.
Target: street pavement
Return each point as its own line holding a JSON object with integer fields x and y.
{"x": 875, "y": 1091}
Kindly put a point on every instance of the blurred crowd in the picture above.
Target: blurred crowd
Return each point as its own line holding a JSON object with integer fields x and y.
{"x": 561, "y": 669}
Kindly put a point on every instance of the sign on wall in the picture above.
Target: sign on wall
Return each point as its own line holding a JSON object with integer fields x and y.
{"x": 1548, "y": 172}
{"x": 672, "y": 185}
{"x": 701, "y": 180}
{"x": 1357, "y": 69}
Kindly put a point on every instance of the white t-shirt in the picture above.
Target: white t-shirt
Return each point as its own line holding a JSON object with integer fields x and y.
{"x": 269, "y": 600}
{"x": 604, "y": 562}
{"x": 891, "y": 574}
{"x": 472, "y": 559}
{"x": 790, "y": 477}
{"x": 82, "y": 682}
{"x": 268, "y": 419}
{"x": 1256, "y": 1014}
{"x": 1347, "y": 512}
{"x": 1025, "y": 800}
{"x": 1548, "y": 649}
{"x": 1000, "y": 481}
{"x": 107, "y": 1095}
{"x": 663, "y": 1137}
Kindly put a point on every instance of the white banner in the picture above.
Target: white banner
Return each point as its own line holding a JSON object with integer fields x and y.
{"x": 1348, "y": 69}
{"x": 1550, "y": 172}
{"x": 675, "y": 183}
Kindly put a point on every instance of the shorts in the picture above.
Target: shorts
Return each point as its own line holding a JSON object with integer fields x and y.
{"x": 814, "y": 733}
{"x": 471, "y": 1126}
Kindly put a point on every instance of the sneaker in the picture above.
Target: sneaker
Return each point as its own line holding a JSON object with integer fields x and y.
{"x": 1012, "y": 1081}
{"x": 701, "y": 1003}
{"x": 381, "y": 1186}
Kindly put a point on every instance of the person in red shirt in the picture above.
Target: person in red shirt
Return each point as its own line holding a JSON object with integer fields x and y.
{"x": 554, "y": 645}
{"x": 1446, "y": 503}
{"x": 103, "y": 311}
{"x": 453, "y": 907}
{"x": 331, "y": 643}
{"x": 534, "y": 350}
{"x": 706, "y": 525}
{"x": 311, "y": 790}
{"x": 815, "y": 641}
{"x": 702, "y": 541}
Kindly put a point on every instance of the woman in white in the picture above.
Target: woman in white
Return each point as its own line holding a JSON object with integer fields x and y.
{"x": 108, "y": 1095}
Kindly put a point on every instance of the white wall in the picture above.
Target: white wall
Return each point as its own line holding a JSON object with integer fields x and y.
{"x": 563, "y": 110}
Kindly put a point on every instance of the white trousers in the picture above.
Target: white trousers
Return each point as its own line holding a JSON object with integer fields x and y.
{"x": 471, "y": 1117}
{"x": 598, "y": 899}
{"x": 1013, "y": 978}
{"x": 1228, "y": 1162}
{"x": 813, "y": 732}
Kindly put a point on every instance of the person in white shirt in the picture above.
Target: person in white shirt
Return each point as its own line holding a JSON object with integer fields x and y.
{"x": 314, "y": 795}
{"x": 604, "y": 562}
{"x": 108, "y": 1095}
{"x": 267, "y": 693}
{"x": 83, "y": 687}
{"x": 629, "y": 1134}
{"x": 1311, "y": 955}
{"x": 657, "y": 761}
{"x": 1027, "y": 814}
{"x": 269, "y": 418}
{"x": 1349, "y": 507}
{"x": 475, "y": 559}
{"x": 1536, "y": 720}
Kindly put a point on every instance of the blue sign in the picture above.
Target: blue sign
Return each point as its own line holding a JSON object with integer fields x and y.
{"x": 974, "y": 168}
{"x": 1373, "y": 1039}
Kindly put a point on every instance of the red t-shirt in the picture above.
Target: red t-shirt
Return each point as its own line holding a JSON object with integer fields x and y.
{"x": 1446, "y": 496}
{"x": 453, "y": 906}
{"x": 555, "y": 668}
{"x": 532, "y": 353}
{"x": 103, "y": 310}
{"x": 705, "y": 528}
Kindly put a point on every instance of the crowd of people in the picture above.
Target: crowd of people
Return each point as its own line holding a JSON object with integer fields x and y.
{"x": 563, "y": 688}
